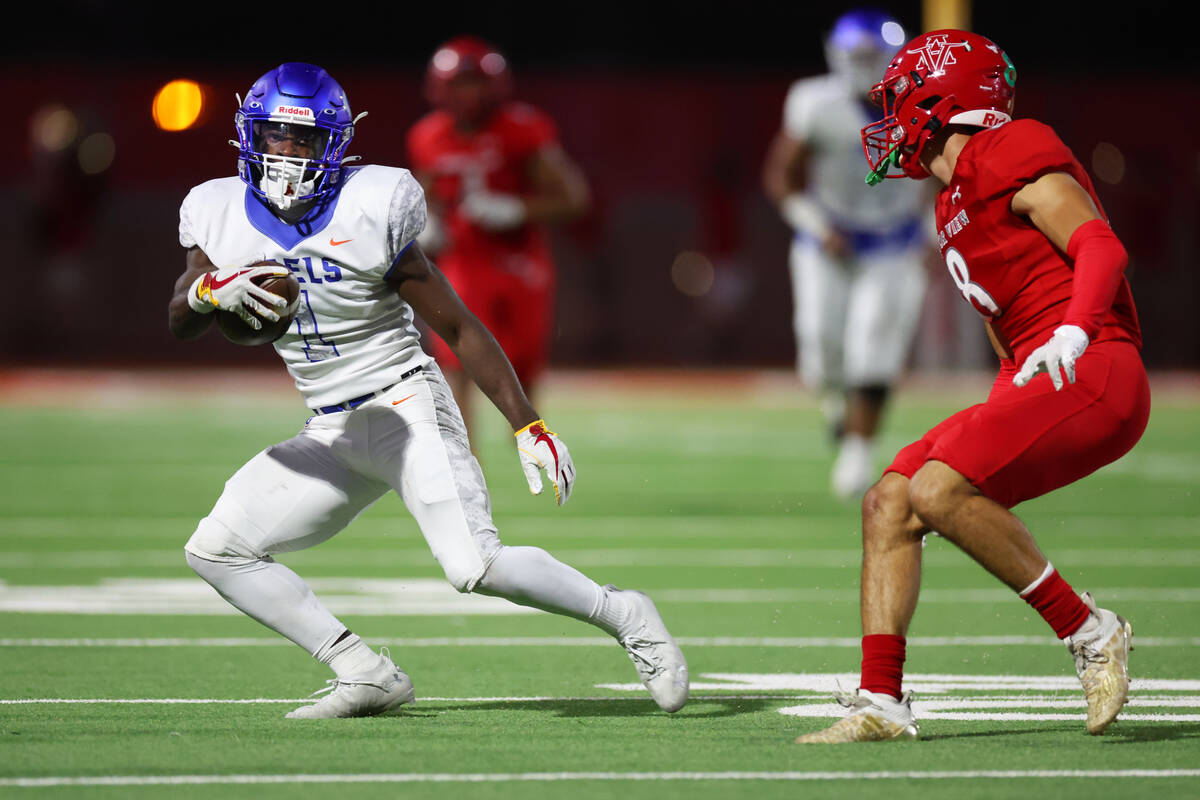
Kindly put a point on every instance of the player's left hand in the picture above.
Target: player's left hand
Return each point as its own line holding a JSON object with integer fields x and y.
{"x": 1065, "y": 346}
{"x": 493, "y": 211}
{"x": 541, "y": 449}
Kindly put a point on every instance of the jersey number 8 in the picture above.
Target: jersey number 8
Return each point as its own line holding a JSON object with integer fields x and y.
{"x": 975, "y": 294}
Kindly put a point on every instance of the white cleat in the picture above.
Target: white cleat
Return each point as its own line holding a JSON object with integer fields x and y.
{"x": 1101, "y": 651}
{"x": 659, "y": 661}
{"x": 873, "y": 717}
{"x": 369, "y": 694}
{"x": 852, "y": 472}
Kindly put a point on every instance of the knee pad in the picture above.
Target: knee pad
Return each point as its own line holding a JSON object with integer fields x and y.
{"x": 214, "y": 541}
{"x": 464, "y": 577}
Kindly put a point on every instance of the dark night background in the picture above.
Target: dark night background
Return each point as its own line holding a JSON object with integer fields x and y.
{"x": 668, "y": 107}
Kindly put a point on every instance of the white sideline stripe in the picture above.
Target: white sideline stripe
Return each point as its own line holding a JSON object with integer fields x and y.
{"x": 168, "y": 701}
{"x": 921, "y": 684}
{"x": 835, "y": 711}
{"x": 784, "y": 556}
{"x": 511, "y": 777}
{"x": 387, "y": 597}
{"x": 927, "y": 708}
{"x": 594, "y": 641}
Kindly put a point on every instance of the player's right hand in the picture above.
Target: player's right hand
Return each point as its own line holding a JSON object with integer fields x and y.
{"x": 541, "y": 449}
{"x": 1064, "y": 348}
{"x": 494, "y": 211}
{"x": 233, "y": 289}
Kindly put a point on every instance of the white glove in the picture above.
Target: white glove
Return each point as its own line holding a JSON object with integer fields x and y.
{"x": 492, "y": 211}
{"x": 803, "y": 213}
{"x": 1065, "y": 346}
{"x": 539, "y": 448}
{"x": 433, "y": 238}
{"x": 233, "y": 289}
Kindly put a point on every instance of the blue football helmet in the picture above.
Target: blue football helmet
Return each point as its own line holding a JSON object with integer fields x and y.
{"x": 293, "y": 130}
{"x": 860, "y": 46}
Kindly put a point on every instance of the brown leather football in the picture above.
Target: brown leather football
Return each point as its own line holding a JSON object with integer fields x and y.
{"x": 238, "y": 332}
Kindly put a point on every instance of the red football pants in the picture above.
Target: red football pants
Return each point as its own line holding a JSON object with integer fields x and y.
{"x": 518, "y": 308}
{"x": 1025, "y": 442}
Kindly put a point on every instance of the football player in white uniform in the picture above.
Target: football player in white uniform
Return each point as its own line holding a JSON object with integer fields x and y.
{"x": 858, "y": 256}
{"x": 382, "y": 414}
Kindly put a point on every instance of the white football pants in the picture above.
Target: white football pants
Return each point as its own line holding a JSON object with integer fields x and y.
{"x": 855, "y": 319}
{"x": 300, "y": 492}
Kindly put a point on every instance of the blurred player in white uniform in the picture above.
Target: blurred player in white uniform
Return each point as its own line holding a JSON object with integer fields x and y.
{"x": 858, "y": 255}
{"x": 383, "y": 416}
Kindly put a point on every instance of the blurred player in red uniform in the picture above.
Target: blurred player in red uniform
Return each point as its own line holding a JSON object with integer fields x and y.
{"x": 1028, "y": 245}
{"x": 494, "y": 174}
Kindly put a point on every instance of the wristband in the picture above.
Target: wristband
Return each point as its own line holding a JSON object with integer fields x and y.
{"x": 530, "y": 426}
{"x": 193, "y": 297}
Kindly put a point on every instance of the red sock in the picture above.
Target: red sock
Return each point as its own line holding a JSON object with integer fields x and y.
{"x": 882, "y": 663}
{"x": 1058, "y": 604}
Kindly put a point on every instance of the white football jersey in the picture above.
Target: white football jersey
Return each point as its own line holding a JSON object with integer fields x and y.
{"x": 824, "y": 113}
{"x": 352, "y": 334}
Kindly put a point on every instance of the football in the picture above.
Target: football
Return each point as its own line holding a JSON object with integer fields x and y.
{"x": 238, "y": 332}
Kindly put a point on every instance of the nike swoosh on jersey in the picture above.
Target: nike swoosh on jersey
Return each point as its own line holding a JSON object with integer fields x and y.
{"x": 398, "y": 402}
{"x": 335, "y": 243}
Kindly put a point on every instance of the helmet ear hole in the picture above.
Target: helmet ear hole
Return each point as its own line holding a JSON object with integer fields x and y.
{"x": 929, "y": 102}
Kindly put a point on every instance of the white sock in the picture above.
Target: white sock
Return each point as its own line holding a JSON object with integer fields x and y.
{"x": 529, "y": 576}
{"x": 614, "y": 615}
{"x": 350, "y": 656}
{"x": 855, "y": 445}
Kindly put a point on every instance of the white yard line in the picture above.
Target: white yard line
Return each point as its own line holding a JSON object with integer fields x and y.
{"x": 783, "y": 556}
{"x": 555, "y": 777}
{"x": 387, "y": 597}
{"x": 592, "y": 641}
{"x": 929, "y": 709}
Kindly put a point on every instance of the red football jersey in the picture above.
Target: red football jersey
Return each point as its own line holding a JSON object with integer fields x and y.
{"x": 1002, "y": 264}
{"x": 495, "y": 157}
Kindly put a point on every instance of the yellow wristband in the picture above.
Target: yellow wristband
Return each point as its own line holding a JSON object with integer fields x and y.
{"x": 533, "y": 432}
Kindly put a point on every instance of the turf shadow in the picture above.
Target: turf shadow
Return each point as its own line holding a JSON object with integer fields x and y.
{"x": 1129, "y": 733}
{"x": 709, "y": 707}
{"x": 975, "y": 734}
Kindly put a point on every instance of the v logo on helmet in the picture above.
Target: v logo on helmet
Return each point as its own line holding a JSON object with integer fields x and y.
{"x": 938, "y": 53}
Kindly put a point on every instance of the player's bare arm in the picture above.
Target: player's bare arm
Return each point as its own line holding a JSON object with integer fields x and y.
{"x": 561, "y": 192}
{"x": 785, "y": 179}
{"x": 1062, "y": 209}
{"x": 1057, "y": 205}
{"x": 423, "y": 286}
{"x": 785, "y": 167}
{"x": 184, "y": 322}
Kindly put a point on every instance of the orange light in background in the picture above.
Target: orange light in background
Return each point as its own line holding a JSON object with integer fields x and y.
{"x": 177, "y": 105}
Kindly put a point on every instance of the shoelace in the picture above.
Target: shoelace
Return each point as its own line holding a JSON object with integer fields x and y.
{"x": 333, "y": 683}
{"x": 330, "y": 686}
{"x": 1087, "y": 655}
{"x": 640, "y": 650}
{"x": 848, "y": 700}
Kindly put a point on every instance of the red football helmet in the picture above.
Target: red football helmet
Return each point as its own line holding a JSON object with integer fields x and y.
{"x": 945, "y": 77}
{"x": 481, "y": 64}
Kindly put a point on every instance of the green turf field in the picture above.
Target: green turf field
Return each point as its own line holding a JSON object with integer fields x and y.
{"x": 124, "y": 675}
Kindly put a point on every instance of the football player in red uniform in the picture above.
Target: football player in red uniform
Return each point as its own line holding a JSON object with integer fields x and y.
{"x": 494, "y": 175}
{"x": 1027, "y": 243}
